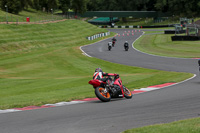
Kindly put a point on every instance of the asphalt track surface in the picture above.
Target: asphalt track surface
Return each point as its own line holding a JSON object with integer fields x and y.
{"x": 170, "y": 104}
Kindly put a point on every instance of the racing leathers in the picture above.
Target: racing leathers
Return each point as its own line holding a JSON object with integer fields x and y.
{"x": 100, "y": 78}
{"x": 114, "y": 39}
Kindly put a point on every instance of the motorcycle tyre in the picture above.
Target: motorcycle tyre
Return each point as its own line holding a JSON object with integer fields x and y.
{"x": 126, "y": 49}
{"x": 101, "y": 96}
{"x": 129, "y": 95}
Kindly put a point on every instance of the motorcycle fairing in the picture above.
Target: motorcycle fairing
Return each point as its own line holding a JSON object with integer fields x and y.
{"x": 118, "y": 82}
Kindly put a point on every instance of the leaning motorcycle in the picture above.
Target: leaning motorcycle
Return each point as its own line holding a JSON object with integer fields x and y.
{"x": 111, "y": 88}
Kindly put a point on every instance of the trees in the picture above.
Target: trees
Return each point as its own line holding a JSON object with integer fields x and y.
{"x": 187, "y": 8}
{"x": 79, "y": 6}
{"x": 94, "y": 5}
{"x": 52, "y": 4}
{"x": 36, "y": 5}
{"x": 25, "y": 3}
{"x": 64, "y": 5}
{"x": 182, "y": 8}
{"x": 14, "y": 6}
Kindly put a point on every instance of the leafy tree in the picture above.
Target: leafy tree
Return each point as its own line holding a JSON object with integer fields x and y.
{"x": 64, "y": 5}
{"x": 43, "y": 4}
{"x": 47, "y": 4}
{"x": 25, "y": 3}
{"x": 52, "y": 4}
{"x": 36, "y": 5}
{"x": 182, "y": 8}
{"x": 14, "y": 6}
{"x": 94, "y": 5}
{"x": 109, "y": 5}
{"x": 79, "y": 6}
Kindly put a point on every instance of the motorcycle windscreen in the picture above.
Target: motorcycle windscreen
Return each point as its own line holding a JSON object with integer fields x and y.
{"x": 95, "y": 83}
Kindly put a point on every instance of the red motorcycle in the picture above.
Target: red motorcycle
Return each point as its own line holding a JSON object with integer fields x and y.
{"x": 113, "y": 43}
{"x": 111, "y": 88}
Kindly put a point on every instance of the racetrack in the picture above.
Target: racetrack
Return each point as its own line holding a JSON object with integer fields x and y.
{"x": 161, "y": 106}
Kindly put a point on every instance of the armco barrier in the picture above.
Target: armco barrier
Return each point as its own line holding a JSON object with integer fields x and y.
{"x": 132, "y": 26}
{"x": 174, "y": 32}
{"x": 98, "y": 35}
{"x": 185, "y": 38}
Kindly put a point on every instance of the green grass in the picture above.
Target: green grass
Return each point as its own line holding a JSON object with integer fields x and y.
{"x": 184, "y": 126}
{"x": 150, "y": 21}
{"x": 35, "y": 16}
{"x": 161, "y": 44}
{"x": 42, "y": 64}
{"x": 147, "y": 21}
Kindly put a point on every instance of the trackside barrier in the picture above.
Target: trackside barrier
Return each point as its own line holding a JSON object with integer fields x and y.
{"x": 98, "y": 35}
{"x": 132, "y": 26}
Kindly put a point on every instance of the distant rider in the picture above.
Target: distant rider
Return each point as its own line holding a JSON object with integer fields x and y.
{"x": 99, "y": 75}
{"x": 114, "y": 39}
{"x": 126, "y": 44}
{"x": 110, "y": 44}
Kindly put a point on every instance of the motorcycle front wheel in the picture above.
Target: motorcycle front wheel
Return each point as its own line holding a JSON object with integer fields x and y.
{"x": 101, "y": 93}
{"x": 127, "y": 93}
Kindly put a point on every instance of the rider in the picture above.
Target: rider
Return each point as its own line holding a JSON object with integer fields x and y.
{"x": 99, "y": 75}
{"x": 126, "y": 44}
{"x": 114, "y": 39}
{"x": 110, "y": 44}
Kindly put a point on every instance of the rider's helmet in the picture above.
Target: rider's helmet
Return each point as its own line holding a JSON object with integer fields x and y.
{"x": 126, "y": 41}
{"x": 98, "y": 70}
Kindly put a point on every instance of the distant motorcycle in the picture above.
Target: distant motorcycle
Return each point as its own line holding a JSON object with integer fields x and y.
{"x": 112, "y": 88}
{"x": 109, "y": 46}
{"x": 113, "y": 43}
{"x": 126, "y": 46}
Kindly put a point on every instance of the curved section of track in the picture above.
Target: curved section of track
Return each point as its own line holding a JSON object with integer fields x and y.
{"x": 161, "y": 106}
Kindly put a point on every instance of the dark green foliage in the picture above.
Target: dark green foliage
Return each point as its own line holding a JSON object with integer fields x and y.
{"x": 64, "y": 5}
{"x": 14, "y": 6}
{"x": 189, "y": 8}
{"x": 79, "y": 6}
{"x": 180, "y": 8}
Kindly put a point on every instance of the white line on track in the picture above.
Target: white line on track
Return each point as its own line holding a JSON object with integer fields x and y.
{"x": 84, "y": 53}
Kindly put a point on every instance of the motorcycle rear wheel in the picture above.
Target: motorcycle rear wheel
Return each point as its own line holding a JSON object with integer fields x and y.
{"x": 127, "y": 93}
{"x": 104, "y": 97}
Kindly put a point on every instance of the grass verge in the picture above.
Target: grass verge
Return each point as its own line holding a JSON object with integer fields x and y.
{"x": 184, "y": 126}
{"x": 35, "y": 16}
{"x": 161, "y": 44}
